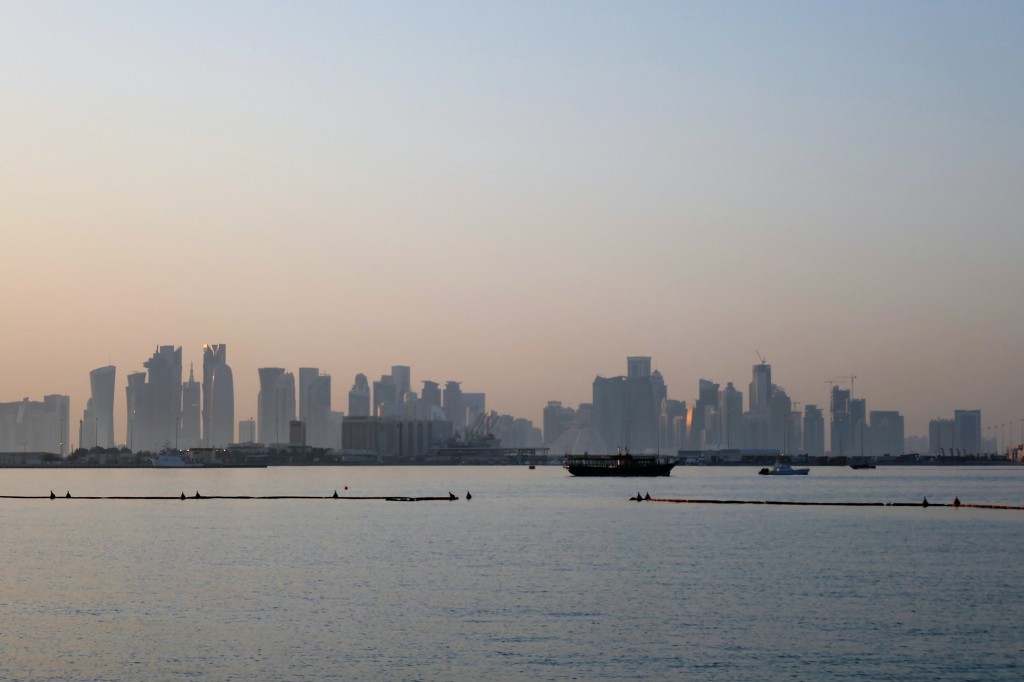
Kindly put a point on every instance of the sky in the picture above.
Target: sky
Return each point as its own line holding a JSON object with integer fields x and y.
{"x": 519, "y": 195}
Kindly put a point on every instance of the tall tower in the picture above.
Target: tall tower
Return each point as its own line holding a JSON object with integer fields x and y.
{"x": 191, "y": 416}
{"x": 318, "y": 412}
{"x": 307, "y": 376}
{"x": 164, "y": 397}
{"x": 101, "y": 382}
{"x": 218, "y": 397}
{"x": 284, "y": 408}
{"x": 359, "y": 397}
{"x": 266, "y": 404}
{"x": 760, "y": 388}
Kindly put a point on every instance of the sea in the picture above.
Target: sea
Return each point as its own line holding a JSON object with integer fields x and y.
{"x": 540, "y": 576}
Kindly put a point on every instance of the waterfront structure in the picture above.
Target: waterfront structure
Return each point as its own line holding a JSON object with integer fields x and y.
{"x": 359, "y": 397}
{"x": 191, "y": 412}
{"x": 36, "y": 426}
{"x": 266, "y": 409}
{"x": 218, "y": 397}
{"x": 297, "y": 433}
{"x": 390, "y": 438}
{"x": 101, "y": 402}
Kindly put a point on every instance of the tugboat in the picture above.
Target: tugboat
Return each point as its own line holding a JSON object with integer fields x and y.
{"x": 621, "y": 464}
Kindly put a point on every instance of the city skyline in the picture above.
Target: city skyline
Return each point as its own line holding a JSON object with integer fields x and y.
{"x": 518, "y": 196}
{"x": 848, "y": 411}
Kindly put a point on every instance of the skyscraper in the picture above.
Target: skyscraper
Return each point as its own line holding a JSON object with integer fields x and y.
{"x": 101, "y": 383}
{"x": 307, "y": 375}
{"x": 359, "y": 397}
{"x": 218, "y": 397}
{"x": 968, "y": 430}
{"x": 814, "y": 431}
{"x": 191, "y": 412}
{"x": 266, "y": 407}
{"x": 760, "y": 388}
{"x": 730, "y": 416}
{"x": 154, "y": 402}
{"x": 318, "y": 412}
{"x": 454, "y": 408}
{"x": 284, "y": 408}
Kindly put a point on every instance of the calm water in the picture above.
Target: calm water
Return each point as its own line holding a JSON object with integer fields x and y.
{"x": 540, "y": 577}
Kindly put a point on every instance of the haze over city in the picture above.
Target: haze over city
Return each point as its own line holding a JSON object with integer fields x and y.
{"x": 518, "y": 197}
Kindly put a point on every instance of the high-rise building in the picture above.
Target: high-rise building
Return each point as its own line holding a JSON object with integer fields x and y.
{"x": 385, "y": 397}
{"x": 401, "y": 377}
{"x": 359, "y": 397}
{"x": 780, "y": 413}
{"x": 222, "y": 408}
{"x": 968, "y": 430}
{"x": 283, "y": 409}
{"x": 454, "y": 407}
{"x": 858, "y": 425}
{"x": 266, "y": 406}
{"x": 760, "y": 388}
{"x": 841, "y": 436}
{"x": 318, "y": 412}
{"x": 430, "y": 400}
{"x": 247, "y": 431}
{"x": 101, "y": 383}
{"x": 814, "y": 431}
{"x": 628, "y": 411}
{"x": 886, "y": 434}
{"x": 33, "y": 426}
{"x": 730, "y": 417}
{"x": 191, "y": 412}
{"x": 307, "y": 375}
{"x": 218, "y": 397}
{"x": 163, "y": 395}
{"x": 941, "y": 437}
{"x": 137, "y": 410}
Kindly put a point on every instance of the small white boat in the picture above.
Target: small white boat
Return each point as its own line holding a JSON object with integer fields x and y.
{"x": 783, "y": 470}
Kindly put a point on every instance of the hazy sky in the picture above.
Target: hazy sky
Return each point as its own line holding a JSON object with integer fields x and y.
{"x": 519, "y": 195}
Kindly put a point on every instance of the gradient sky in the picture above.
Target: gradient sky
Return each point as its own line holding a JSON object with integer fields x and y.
{"x": 519, "y": 195}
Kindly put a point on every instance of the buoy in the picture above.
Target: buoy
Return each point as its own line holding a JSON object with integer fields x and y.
{"x": 335, "y": 494}
{"x": 197, "y": 495}
{"x": 924, "y": 503}
{"x": 956, "y": 501}
{"x": 639, "y": 497}
{"x": 67, "y": 494}
{"x": 468, "y": 496}
{"x": 451, "y": 496}
{"x": 52, "y": 496}
{"x": 647, "y": 496}
{"x": 346, "y": 487}
{"x": 183, "y": 494}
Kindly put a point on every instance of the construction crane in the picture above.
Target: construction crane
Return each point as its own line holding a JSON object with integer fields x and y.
{"x": 851, "y": 377}
{"x": 764, "y": 361}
